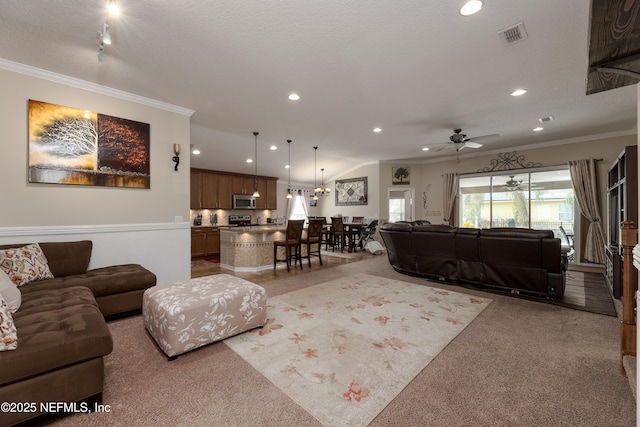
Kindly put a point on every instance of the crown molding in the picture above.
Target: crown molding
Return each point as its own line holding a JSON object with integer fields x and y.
{"x": 91, "y": 87}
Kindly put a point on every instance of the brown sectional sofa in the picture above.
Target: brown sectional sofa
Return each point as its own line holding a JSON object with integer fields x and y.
{"x": 62, "y": 333}
{"x": 513, "y": 259}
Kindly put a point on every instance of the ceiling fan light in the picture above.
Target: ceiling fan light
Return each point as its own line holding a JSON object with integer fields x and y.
{"x": 471, "y": 7}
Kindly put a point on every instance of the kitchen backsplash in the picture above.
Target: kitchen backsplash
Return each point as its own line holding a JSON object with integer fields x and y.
{"x": 210, "y": 216}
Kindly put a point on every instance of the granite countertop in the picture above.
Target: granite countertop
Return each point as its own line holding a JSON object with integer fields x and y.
{"x": 256, "y": 228}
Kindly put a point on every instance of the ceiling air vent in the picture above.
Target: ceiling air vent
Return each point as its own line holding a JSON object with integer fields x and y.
{"x": 513, "y": 34}
{"x": 545, "y": 119}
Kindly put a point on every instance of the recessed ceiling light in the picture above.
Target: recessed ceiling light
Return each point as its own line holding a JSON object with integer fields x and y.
{"x": 112, "y": 6}
{"x": 538, "y": 129}
{"x": 287, "y": 166}
{"x": 249, "y": 160}
{"x": 294, "y": 97}
{"x": 471, "y": 7}
{"x": 518, "y": 92}
{"x": 377, "y": 130}
{"x": 273, "y": 147}
{"x": 425, "y": 148}
{"x": 195, "y": 151}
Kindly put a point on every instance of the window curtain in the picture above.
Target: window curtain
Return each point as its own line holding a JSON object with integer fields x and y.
{"x": 299, "y": 196}
{"x": 291, "y": 204}
{"x": 583, "y": 178}
{"x": 305, "y": 201}
{"x": 450, "y": 193}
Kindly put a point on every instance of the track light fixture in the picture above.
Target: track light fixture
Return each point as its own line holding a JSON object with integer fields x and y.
{"x": 101, "y": 56}
{"x": 106, "y": 35}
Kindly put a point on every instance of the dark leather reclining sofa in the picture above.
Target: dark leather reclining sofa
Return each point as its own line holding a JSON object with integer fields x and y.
{"x": 513, "y": 259}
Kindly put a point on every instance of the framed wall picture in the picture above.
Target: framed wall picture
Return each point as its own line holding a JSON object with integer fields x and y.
{"x": 351, "y": 191}
{"x": 313, "y": 203}
{"x": 400, "y": 175}
{"x": 72, "y": 146}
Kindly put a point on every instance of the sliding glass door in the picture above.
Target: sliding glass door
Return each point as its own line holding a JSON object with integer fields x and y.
{"x": 540, "y": 199}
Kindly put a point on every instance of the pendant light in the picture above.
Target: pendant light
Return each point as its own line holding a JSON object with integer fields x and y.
{"x": 315, "y": 169}
{"x": 323, "y": 190}
{"x": 256, "y": 193}
{"x": 289, "y": 195}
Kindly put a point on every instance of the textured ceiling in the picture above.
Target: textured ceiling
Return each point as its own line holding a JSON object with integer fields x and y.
{"x": 417, "y": 69}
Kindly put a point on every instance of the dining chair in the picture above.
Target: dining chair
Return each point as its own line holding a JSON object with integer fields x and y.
{"x": 293, "y": 240}
{"x": 338, "y": 233}
{"x": 354, "y": 231}
{"x": 314, "y": 237}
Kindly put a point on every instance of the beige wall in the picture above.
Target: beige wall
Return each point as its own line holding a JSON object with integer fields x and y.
{"x": 327, "y": 206}
{"x": 431, "y": 174}
{"x": 25, "y": 204}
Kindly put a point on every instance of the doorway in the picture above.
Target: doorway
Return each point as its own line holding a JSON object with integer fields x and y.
{"x": 401, "y": 206}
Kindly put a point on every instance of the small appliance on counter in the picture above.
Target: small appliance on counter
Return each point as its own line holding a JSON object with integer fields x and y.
{"x": 240, "y": 220}
{"x": 197, "y": 221}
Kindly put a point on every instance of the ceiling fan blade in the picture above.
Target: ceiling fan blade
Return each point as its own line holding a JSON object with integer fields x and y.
{"x": 477, "y": 138}
{"x": 444, "y": 147}
{"x": 472, "y": 144}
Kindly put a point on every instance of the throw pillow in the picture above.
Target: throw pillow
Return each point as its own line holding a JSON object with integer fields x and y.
{"x": 8, "y": 333}
{"x": 10, "y": 292}
{"x": 26, "y": 264}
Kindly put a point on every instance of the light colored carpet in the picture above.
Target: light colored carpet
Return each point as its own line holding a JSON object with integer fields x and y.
{"x": 344, "y": 349}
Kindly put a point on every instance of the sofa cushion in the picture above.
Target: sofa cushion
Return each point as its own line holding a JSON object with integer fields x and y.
{"x": 25, "y": 264}
{"x": 10, "y": 292}
{"x": 8, "y": 336}
{"x": 68, "y": 258}
{"x": 56, "y": 329}
{"x": 103, "y": 281}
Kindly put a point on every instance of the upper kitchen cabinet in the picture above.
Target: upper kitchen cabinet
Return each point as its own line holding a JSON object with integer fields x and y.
{"x": 225, "y": 191}
{"x": 242, "y": 184}
{"x": 214, "y": 190}
{"x": 205, "y": 190}
{"x": 196, "y": 189}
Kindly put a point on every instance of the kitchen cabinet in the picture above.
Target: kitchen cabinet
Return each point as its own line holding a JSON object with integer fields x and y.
{"x": 205, "y": 241}
{"x": 210, "y": 190}
{"x": 196, "y": 190}
{"x": 225, "y": 191}
{"x": 272, "y": 194}
{"x": 242, "y": 184}
{"x": 210, "y": 198}
{"x": 214, "y": 190}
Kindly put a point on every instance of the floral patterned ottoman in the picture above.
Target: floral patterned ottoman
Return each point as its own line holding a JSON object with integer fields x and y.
{"x": 185, "y": 315}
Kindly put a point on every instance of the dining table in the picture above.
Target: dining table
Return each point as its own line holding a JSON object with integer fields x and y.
{"x": 353, "y": 230}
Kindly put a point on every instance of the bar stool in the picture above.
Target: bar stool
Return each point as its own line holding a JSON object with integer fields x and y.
{"x": 293, "y": 239}
{"x": 314, "y": 237}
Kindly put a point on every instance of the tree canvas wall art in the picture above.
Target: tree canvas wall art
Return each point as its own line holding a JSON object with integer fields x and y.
{"x": 72, "y": 146}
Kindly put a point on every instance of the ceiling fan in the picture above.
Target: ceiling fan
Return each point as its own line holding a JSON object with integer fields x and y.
{"x": 513, "y": 184}
{"x": 459, "y": 140}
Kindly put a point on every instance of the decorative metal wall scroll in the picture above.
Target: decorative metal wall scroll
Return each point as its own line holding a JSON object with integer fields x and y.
{"x": 509, "y": 161}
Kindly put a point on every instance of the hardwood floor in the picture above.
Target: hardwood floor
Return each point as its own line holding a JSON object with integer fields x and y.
{"x": 202, "y": 267}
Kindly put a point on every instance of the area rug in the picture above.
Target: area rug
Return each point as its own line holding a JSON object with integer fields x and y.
{"x": 345, "y": 348}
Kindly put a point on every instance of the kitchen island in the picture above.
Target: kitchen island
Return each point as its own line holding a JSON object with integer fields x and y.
{"x": 249, "y": 248}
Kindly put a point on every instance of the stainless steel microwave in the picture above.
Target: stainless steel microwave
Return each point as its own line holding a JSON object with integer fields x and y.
{"x": 244, "y": 201}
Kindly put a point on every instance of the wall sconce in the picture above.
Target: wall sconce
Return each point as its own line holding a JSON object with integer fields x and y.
{"x": 176, "y": 158}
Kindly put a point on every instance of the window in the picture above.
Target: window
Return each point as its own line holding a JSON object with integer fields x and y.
{"x": 299, "y": 210}
{"x": 541, "y": 199}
